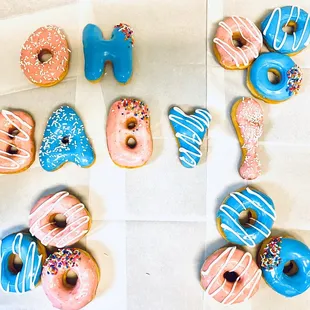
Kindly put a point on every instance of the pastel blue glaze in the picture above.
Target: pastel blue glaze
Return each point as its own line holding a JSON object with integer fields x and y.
{"x": 259, "y": 228}
{"x": 54, "y": 151}
{"x": 97, "y": 51}
{"x": 258, "y": 76}
{"x": 281, "y": 41}
{"x": 189, "y": 131}
{"x": 25, "y": 246}
{"x": 286, "y": 285}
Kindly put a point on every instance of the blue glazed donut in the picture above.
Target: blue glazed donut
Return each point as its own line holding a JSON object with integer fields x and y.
{"x": 279, "y": 40}
{"x": 289, "y": 74}
{"x": 262, "y": 216}
{"x": 275, "y": 252}
{"x": 117, "y": 50}
{"x": 32, "y": 255}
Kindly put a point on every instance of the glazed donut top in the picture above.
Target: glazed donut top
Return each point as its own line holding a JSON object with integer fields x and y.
{"x": 280, "y": 40}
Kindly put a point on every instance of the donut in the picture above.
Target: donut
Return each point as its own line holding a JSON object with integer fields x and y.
{"x": 248, "y": 36}
{"x": 129, "y": 135}
{"x": 54, "y": 274}
{"x": 261, "y": 216}
{"x": 44, "y": 227}
{"x": 285, "y": 263}
{"x": 277, "y": 39}
{"x": 45, "y": 41}
{"x": 230, "y": 276}
{"x": 189, "y": 131}
{"x": 32, "y": 254}
{"x": 288, "y": 73}
{"x": 65, "y": 141}
{"x": 117, "y": 50}
{"x": 17, "y": 147}
{"x": 247, "y": 118}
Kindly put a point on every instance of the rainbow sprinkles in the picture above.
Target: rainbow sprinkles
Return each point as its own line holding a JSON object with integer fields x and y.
{"x": 126, "y": 30}
{"x": 271, "y": 256}
{"x": 294, "y": 80}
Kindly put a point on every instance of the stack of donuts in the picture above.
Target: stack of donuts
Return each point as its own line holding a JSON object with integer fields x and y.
{"x": 231, "y": 275}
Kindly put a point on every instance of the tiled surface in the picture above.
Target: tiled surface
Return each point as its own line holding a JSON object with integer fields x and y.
{"x": 153, "y": 227}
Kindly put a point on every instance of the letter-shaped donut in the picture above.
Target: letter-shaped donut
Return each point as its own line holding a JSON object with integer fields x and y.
{"x": 48, "y": 40}
{"x": 285, "y": 263}
{"x": 117, "y": 50}
{"x": 17, "y": 148}
{"x": 54, "y": 275}
{"x": 129, "y": 135}
{"x": 32, "y": 255}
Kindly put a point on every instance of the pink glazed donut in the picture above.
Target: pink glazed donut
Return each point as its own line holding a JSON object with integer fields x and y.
{"x": 54, "y": 274}
{"x": 44, "y": 227}
{"x": 248, "y": 38}
{"x": 129, "y": 135}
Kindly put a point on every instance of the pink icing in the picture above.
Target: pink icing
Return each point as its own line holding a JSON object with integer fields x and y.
{"x": 54, "y": 272}
{"x": 230, "y": 55}
{"x": 249, "y": 116}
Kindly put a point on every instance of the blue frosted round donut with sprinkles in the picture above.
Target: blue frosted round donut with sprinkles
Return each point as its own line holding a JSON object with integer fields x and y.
{"x": 32, "y": 255}
{"x": 261, "y": 216}
{"x": 285, "y": 264}
{"x": 288, "y": 78}
{"x": 279, "y": 40}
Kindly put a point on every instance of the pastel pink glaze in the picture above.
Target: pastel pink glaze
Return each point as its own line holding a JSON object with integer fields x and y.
{"x": 249, "y": 116}
{"x": 232, "y": 259}
{"x": 48, "y": 38}
{"x": 42, "y": 224}
{"x": 23, "y": 141}
{"x": 63, "y": 297}
{"x": 121, "y": 113}
{"x": 230, "y": 55}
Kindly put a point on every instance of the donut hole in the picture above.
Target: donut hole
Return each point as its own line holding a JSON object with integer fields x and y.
{"x": 274, "y": 76}
{"x": 231, "y": 276}
{"x": 70, "y": 279}
{"x": 59, "y": 220}
{"x": 290, "y": 268}
{"x": 131, "y": 142}
{"x": 13, "y": 132}
{"x": 12, "y": 149}
{"x": 45, "y": 55}
{"x": 238, "y": 40}
{"x": 247, "y": 218}
{"x": 15, "y": 263}
{"x": 131, "y": 123}
{"x": 65, "y": 140}
{"x": 290, "y": 27}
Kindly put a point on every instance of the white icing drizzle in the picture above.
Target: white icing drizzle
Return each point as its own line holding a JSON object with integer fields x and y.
{"x": 66, "y": 231}
{"x": 197, "y": 121}
{"x": 28, "y": 261}
{"x": 24, "y": 137}
{"x": 279, "y": 25}
{"x": 235, "y": 52}
{"x": 254, "y": 280}
{"x": 263, "y": 229}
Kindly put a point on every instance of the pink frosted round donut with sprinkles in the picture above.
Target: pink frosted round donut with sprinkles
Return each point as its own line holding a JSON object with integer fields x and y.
{"x": 44, "y": 226}
{"x": 61, "y": 293}
{"x": 45, "y": 55}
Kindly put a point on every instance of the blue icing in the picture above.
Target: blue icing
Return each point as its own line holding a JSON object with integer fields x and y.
{"x": 117, "y": 50}
{"x": 65, "y": 140}
{"x": 189, "y": 131}
{"x": 276, "y": 254}
{"x": 290, "y": 76}
{"x": 259, "y": 225}
{"x": 25, "y": 246}
{"x": 280, "y": 40}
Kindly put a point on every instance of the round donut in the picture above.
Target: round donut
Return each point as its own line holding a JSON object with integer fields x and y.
{"x": 17, "y": 147}
{"x": 288, "y": 73}
{"x": 261, "y": 216}
{"x": 42, "y": 220}
{"x": 247, "y": 35}
{"x": 44, "y": 41}
{"x": 129, "y": 135}
{"x": 32, "y": 254}
{"x": 54, "y": 274}
{"x": 285, "y": 263}
{"x": 279, "y": 40}
{"x": 230, "y": 276}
